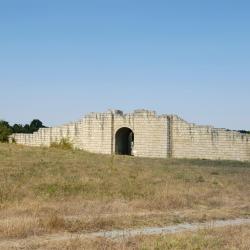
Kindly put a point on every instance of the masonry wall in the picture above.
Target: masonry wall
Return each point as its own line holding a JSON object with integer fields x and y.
{"x": 206, "y": 142}
{"x": 150, "y": 132}
{"x": 97, "y": 133}
{"x": 45, "y": 136}
{"x": 154, "y": 136}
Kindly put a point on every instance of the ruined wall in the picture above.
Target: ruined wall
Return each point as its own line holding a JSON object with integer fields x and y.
{"x": 96, "y": 133}
{"x": 45, "y": 136}
{"x": 206, "y": 142}
{"x": 150, "y": 132}
{"x": 155, "y": 135}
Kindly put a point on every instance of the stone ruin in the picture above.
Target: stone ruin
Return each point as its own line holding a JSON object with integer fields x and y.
{"x": 143, "y": 133}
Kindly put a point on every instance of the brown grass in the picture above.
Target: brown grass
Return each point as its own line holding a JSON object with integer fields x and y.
{"x": 237, "y": 237}
{"x": 44, "y": 190}
{"x": 62, "y": 144}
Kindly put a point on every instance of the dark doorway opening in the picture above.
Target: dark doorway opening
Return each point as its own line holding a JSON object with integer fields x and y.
{"x": 124, "y": 141}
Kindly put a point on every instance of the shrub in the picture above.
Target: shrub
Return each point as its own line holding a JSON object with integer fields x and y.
{"x": 63, "y": 144}
{"x": 13, "y": 140}
{"x": 5, "y": 131}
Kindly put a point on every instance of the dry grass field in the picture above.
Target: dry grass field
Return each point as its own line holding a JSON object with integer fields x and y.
{"x": 211, "y": 239}
{"x": 50, "y": 190}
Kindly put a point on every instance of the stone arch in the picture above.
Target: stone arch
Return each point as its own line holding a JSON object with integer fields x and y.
{"x": 124, "y": 141}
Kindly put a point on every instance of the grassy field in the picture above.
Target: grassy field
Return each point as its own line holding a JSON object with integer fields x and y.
{"x": 212, "y": 239}
{"x": 50, "y": 190}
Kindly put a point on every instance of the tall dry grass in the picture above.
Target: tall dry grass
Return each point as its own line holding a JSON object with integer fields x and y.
{"x": 56, "y": 190}
{"x": 237, "y": 237}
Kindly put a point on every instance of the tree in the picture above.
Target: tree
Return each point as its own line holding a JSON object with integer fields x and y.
{"x": 5, "y": 131}
{"x": 17, "y": 128}
{"x": 35, "y": 125}
{"x": 4, "y": 123}
{"x": 244, "y": 131}
{"x": 28, "y": 128}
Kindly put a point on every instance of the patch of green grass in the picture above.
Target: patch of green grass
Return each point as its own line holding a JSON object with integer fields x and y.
{"x": 54, "y": 190}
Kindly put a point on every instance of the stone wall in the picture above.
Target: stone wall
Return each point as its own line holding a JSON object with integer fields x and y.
{"x": 96, "y": 133}
{"x": 45, "y": 136}
{"x": 206, "y": 142}
{"x": 155, "y": 135}
{"x": 150, "y": 132}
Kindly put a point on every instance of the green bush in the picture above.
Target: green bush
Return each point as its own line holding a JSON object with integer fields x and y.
{"x": 63, "y": 144}
{"x": 5, "y": 131}
{"x": 13, "y": 140}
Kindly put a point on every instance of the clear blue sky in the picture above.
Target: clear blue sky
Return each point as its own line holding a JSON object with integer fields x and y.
{"x": 62, "y": 59}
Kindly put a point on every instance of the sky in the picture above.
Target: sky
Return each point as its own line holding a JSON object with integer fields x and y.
{"x": 60, "y": 60}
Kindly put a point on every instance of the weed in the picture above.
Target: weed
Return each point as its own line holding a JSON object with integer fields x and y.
{"x": 63, "y": 144}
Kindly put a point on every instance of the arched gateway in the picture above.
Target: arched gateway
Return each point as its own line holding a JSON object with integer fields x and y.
{"x": 157, "y": 136}
{"x": 124, "y": 141}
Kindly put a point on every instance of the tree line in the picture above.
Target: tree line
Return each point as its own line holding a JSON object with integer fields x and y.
{"x": 6, "y": 129}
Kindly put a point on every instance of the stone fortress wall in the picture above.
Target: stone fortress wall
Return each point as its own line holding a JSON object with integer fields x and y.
{"x": 160, "y": 136}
